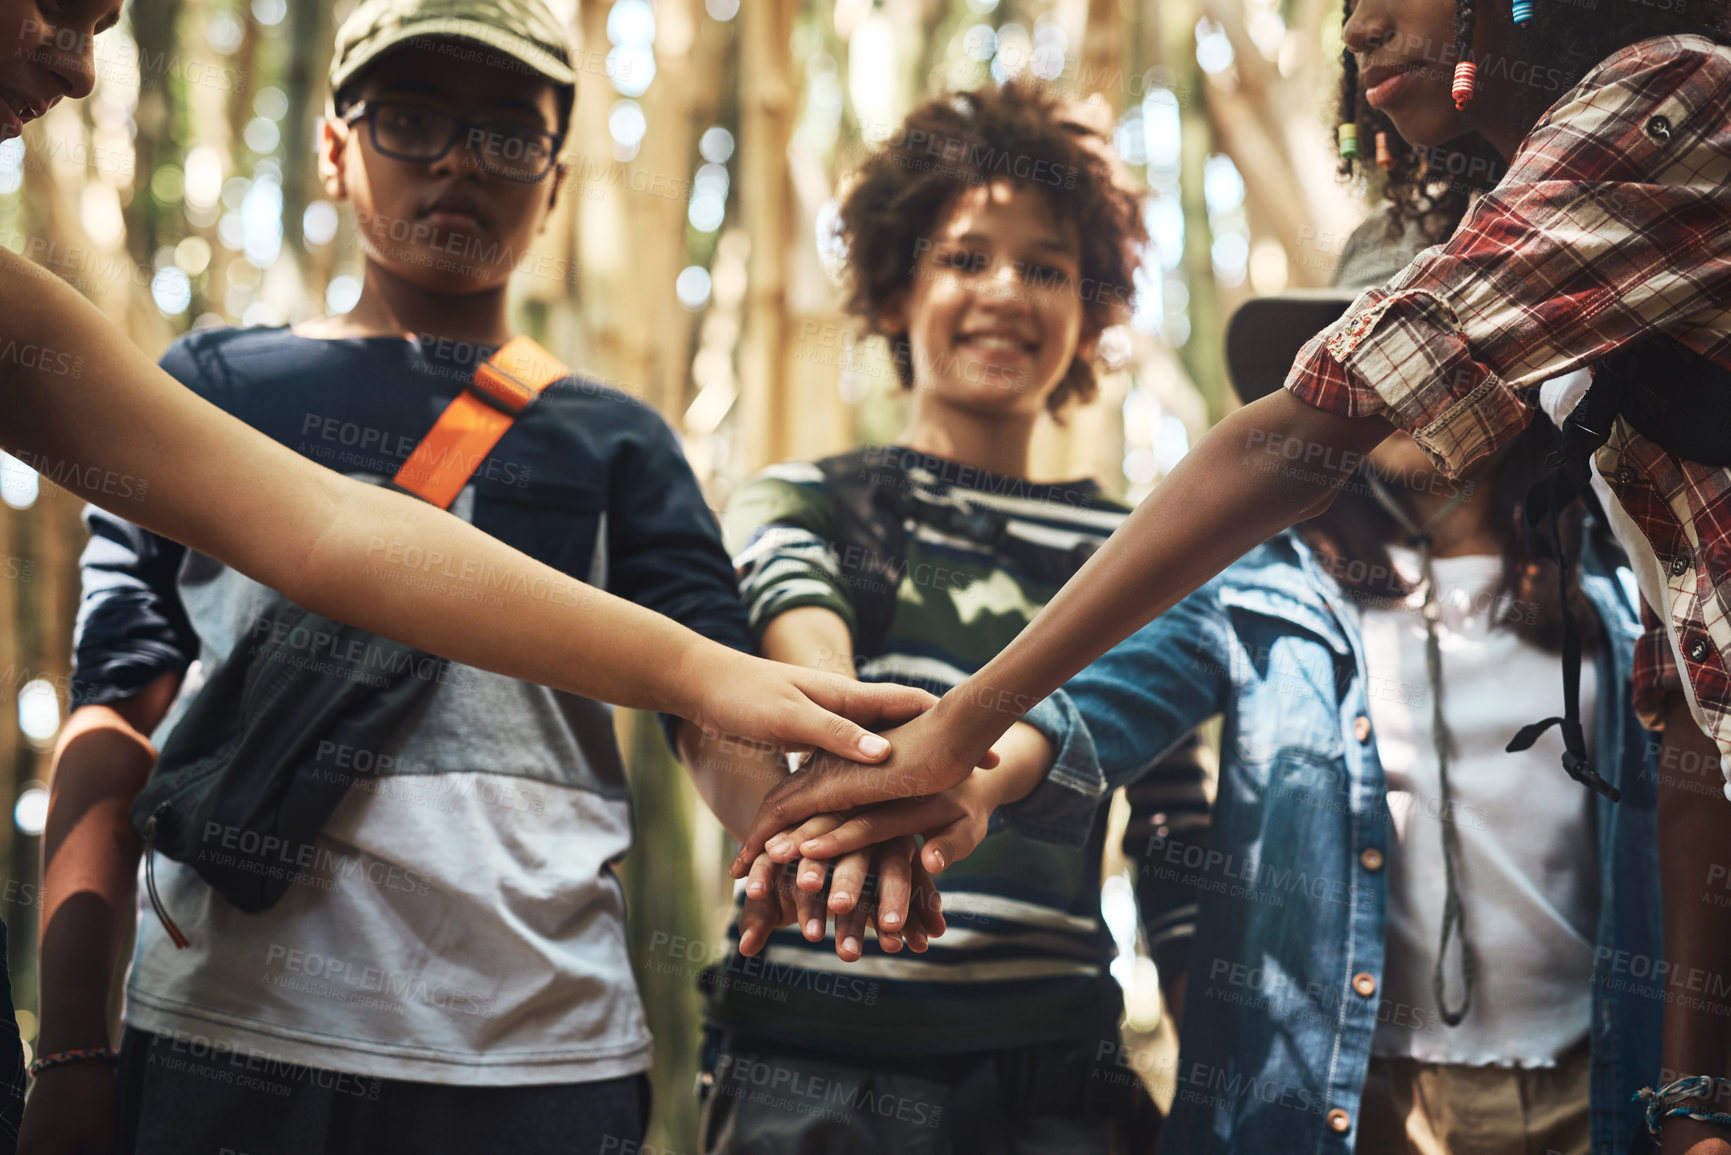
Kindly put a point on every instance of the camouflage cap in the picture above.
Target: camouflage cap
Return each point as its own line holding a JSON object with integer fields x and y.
{"x": 524, "y": 33}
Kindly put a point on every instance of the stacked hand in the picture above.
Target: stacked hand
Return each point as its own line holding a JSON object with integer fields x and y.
{"x": 863, "y": 820}
{"x": 919, "y": 766}
{"x": 883, "y": 886}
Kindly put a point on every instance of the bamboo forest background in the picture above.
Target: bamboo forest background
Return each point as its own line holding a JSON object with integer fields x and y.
{"x": 686, "y": 265}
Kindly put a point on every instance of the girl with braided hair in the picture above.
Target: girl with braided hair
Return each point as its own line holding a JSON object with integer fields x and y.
{"x": 1604, "y": 243}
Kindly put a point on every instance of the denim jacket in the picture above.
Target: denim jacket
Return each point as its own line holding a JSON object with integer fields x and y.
{"x": 1276, "y": 1038}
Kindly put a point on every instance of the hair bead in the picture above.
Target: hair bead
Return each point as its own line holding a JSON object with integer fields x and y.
{"x": 1348, "y": 134}
{"x": 1465, "y": 73}
{"x": 1384, "y": 158}
{"x": 1523, "y": 11}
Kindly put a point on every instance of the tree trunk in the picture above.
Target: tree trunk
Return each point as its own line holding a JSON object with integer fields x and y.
{"x": 769, "y": 103}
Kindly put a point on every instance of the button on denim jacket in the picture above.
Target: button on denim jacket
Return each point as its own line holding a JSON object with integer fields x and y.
{"x": 1276, "y": 1038}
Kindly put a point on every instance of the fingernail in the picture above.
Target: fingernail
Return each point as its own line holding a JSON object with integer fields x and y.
{"x": 776, "y": 845}
{"x": 850, "y": 944}
{"x": 754, "y": 889}
{"x": 938, "y": 857}
{"x": 838, "y": 899}
{"x": 814, "y": 929}
{"x": 872, "y": 745}
{"x": 891, "y": 918}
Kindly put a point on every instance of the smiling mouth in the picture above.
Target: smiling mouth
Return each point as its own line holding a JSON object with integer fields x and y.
{"x": 24, "y": 110}
{"x": 998, "y": 343}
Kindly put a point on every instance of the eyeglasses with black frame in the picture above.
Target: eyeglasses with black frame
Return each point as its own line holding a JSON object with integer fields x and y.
{"x": 403, "y": 130}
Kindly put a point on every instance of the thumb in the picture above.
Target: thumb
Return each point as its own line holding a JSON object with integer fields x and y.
{"x": 816, "y": 727}
{"x": 950, "y": 845}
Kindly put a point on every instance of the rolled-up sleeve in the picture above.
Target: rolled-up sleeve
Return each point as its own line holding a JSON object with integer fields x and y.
{"x": 1061, "y": 808}
{"x": 1608, "y": 228}
{"x": 1112, "y": 723}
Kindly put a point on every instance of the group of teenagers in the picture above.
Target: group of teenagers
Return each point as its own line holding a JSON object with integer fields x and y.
{"x": 1449, "y": 580}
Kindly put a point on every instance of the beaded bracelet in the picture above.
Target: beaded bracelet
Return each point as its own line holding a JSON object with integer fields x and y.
{"x": 1662, "y": 1104}
{"x": 80, "y": 1055}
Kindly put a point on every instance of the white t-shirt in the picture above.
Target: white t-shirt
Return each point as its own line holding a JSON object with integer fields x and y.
{"x": 1527, "y": 869}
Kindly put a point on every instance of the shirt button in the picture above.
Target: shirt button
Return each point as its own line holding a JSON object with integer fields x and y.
{"x": 1364, "y": 983}
{"x": 1698, "y": 650}
{"x": 1659, "y": 128}
{"x": 1625, "y": 475}
{"x": 1680, "y": 565}
{"x": 1361, "y": 727}
{"x": 1372, "y": 859}
{"x": 1340, "y": 1120}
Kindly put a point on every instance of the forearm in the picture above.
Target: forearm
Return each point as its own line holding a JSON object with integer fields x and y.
{"x": 1692, "y": 840}
{"x": 810, "y": 636}
{"x": 440, "y": 584}
{"x": 731, "y": 777}
{"x": 1024, "y": 757}
{"x": 1225, "y": 497}
{"x": 90, "y": 859}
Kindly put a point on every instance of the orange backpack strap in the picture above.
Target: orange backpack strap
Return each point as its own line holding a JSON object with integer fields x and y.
{"x": 472, "y": 424}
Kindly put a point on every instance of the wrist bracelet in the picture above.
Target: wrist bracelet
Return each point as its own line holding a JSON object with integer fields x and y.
{"x": 79, "y": 1055}
{"x": 1665, "y": 1103}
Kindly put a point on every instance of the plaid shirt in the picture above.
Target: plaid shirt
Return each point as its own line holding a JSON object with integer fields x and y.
{"x": 1613, "y": 224}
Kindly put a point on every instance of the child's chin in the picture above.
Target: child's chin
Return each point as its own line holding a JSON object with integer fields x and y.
{"x": 1426, "y": 132}
{"x": 1002, "y": 395}
{"x": 440, "y": 273}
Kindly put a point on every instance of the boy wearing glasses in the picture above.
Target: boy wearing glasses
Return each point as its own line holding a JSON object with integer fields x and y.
{"x": 453, "y": 976}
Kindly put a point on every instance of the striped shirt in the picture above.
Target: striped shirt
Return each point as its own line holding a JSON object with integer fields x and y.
{"x": 1024, "y": 959}
{"x": 1612, "y": 226}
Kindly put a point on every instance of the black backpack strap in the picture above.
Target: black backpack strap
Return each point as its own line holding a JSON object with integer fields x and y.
{"x": 869, "y": 488}
{"x": 874, "y": 502}
{"x": 1672, "y": 396}
{"x": 1542, "y": 511}
{"x": 1569, "y": 479}
{"x": 991, "y": 527}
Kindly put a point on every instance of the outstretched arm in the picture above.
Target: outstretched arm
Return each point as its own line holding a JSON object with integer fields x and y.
{"x": 1270, "y": 465}
{"x": 107, "y": 424}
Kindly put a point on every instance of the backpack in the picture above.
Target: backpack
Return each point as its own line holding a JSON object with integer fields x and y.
{"x": 1674, "y": 397}
{"x": 287, "y": 722}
